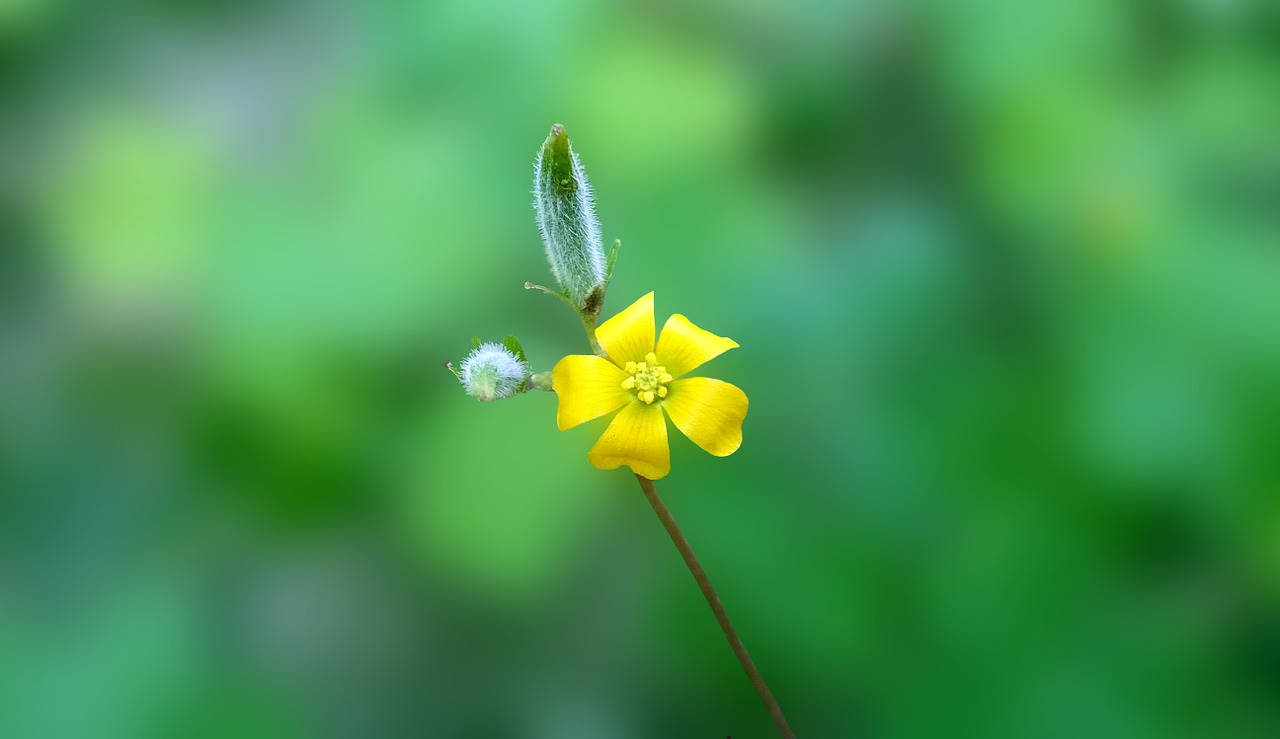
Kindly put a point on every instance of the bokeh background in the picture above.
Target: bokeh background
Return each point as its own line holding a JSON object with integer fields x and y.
{"x": 1005, "y": 278}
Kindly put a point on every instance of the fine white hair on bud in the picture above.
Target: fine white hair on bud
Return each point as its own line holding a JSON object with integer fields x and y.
{"x": 491, "y": 371}
{"x": 567, "y": 218}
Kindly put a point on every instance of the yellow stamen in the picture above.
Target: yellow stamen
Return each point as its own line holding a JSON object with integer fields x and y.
{"x": 648, "y": 379}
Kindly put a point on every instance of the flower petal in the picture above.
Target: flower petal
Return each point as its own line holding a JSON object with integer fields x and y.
{"x": 628, "y": 336}
{"x": 709, "y": 412}
{"x": 637, "y": 437}
{"x": 683, "y": 346}
{"x": 588, "y": 387}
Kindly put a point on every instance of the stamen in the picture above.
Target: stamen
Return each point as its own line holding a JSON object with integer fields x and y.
{"x": 648, "y": 379}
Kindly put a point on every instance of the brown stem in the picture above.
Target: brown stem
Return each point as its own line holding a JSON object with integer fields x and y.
{"x": 713, "y": 600}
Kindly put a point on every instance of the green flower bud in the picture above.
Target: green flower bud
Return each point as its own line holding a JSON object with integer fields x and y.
{"x": 567, "y": 218}
{"x": 492, "y": 371}
{"x": 541, "y": 381}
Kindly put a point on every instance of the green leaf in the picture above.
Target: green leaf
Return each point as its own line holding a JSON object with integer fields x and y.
{"x": 513, "y": 345}
{"x": 613, "y": 257}
{"x": 475, "y": 342}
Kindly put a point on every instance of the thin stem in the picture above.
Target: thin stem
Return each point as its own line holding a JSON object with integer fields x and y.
{"x": 589, "y": 324}
{"x": 713, "y": 600}
{"x": 560, "y": 296}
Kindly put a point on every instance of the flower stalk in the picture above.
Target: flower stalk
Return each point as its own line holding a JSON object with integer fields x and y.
{"x": 713, "y": 600}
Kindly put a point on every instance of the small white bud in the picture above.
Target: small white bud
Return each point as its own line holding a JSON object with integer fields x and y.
{"x": 492, "y": 371}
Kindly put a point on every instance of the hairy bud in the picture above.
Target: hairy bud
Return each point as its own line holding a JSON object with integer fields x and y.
{"x": 492, "y": 371}
{"x": 567, "y": 218}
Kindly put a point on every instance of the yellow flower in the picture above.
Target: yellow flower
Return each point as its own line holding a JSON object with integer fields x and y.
{"x": 641, "y": 378}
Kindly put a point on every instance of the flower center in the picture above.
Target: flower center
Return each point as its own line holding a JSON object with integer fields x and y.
{"x": 648, "y": 379}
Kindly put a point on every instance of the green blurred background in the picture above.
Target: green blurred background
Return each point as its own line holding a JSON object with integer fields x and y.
{"x": 1005, "y": 278}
